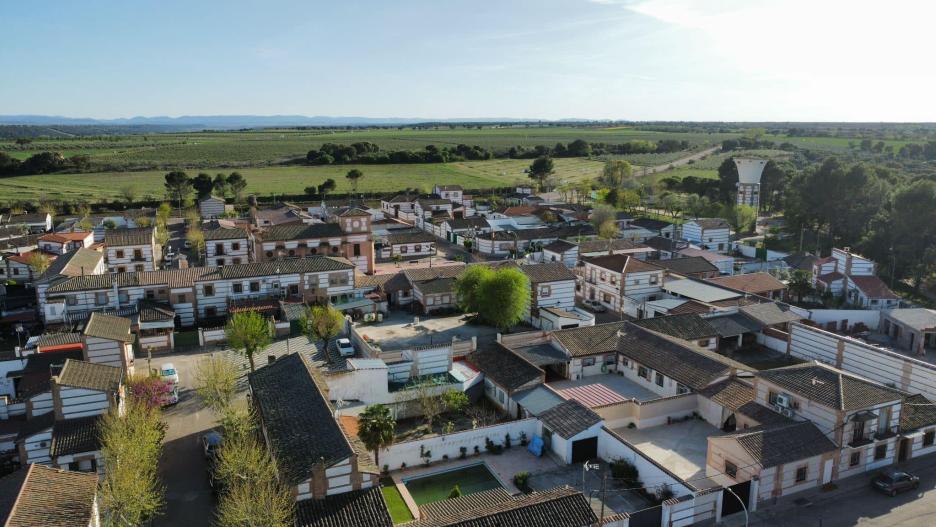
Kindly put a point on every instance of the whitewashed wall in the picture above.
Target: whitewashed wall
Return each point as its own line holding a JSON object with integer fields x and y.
{"x": 868, "y": 317}
{"x": 612, "y": 446}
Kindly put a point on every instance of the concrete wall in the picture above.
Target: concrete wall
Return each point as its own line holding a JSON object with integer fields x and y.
{"x": 868, "y": 317}
{"x": 408, "y": 451}
{"x": 612, "y": 446}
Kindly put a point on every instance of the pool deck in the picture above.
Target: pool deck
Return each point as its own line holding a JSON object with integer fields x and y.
{"x": 504, "y": 466}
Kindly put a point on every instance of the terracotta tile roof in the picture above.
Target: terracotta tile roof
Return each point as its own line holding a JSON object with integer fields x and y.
{"x": 58, "y": 339}
{"x": 559, "y": 246}
{"x": 299, "y": 421}
{"x": 122, "y": 237}
{"x": 519, "y": 210}
{"x": 558, "y": 507}
{"x": 302, "y": 232}
{"x": 689, "y": 265}
{"x": 828, "y": 278}
{"x": 436, "y": 286}
{"x": 223, "y": 233}
{"x": 589, "y": 340}
{"x": 24, "y": 258}
{"x": 74, "y": 436}
{"x": 156, "y": 312}
{"x": 429, "y": 273}
{"x": 467, "y": 502}
{"x": 755, "y": 283}
{"x": 917, "y": 412}
{"x": 686, "y": 327}
{"x": 41, "y": 496}
{"x": 711, "y": 223}
{"x": 778, "y": 445}
{"x": 621, "y": 263}
{"x": 830, "y": 387}
{"x": 358, "y": 508}
{"x": 594, "y": 246}
{"x": 108, "y": 327}
{"x": 414, "y": 236}
{"x": 90, "y": 376}
{"x": 873, "y": 287}
{"x": 65, "y": 237}
{"x": 79, "y": 262}
{"x": 690, "y": 306}
{"x": 547, "y": 272}
{"x": 730, "y": 393}
{"x": 504, "y": 367}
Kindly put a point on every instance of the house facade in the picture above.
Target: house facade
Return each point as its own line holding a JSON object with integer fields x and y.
{"x": 132, "y": 250}
{"x": 712, "y": 234}
{"x": 63, "y": 242}
{"x": 348, "y": 237}
{"x": 228, "y": 246}
{"x": 620, "y": 282}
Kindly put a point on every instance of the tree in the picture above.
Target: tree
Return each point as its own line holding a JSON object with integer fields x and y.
{"x": 196, "y": 237}
{"x": 327, "y": 186}
{"x": 609, "y": 231}
{"x": 800, "y": 284}
{"x": 322, "y": 323}
{"x": 219, "y": 185}
{"x": 247, "y": 333}
{"x": 203, "y": 185}
{"x": 129, "y": 194}
{"x": 429, "y": 401}
{"x": 148, "y": 390}
{"x": 131, "y": 441}
{"x": 579, "y": 148}
{"x": 901, "y": 233}
{"x": 354, "y": 175}
{"x": 455, "y": 401}
{"x": 237, "y": 184}
{"x": 504, "y": 298}
{"x": 540, "y": 169}
{"x": 265, "y": 503}
{"x": 615, "y": 173}
{"x": 602, "y": 214}
{"x": 467, "y": 287}
{"x": 455, "y": 492}
{"x": 178, "y": 186}
{"x": 727, "y": 180}
{"x": 216, "y": 382}
{"x": 38, "y": 262}
{"x": 376, "y": 427}
{"x": 163, "y": 212}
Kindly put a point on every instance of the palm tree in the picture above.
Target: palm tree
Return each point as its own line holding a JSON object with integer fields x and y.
{"x": 354, "y": 175}
{"x": 376, "y": 426}
{"x": 801, "y": 284}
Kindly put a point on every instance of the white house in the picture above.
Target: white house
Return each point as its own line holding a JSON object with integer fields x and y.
{"x": 211, "y": 207}
{"x": 453, "y": 193}
{"x": 552, "y": 285}
{"x": 407, "y": 244}
{"x": 570, "y": 430}
{"x": 620, "y": 282}
{"x": 63, "y": 242}
{"x": 713, "y": 234}
{"x": 228, "y": 246}
{"x": 132, "y": 250}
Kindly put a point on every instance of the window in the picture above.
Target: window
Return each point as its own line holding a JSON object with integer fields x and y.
{"x": 731, "y": 470}
{"x": 625, "y": 362}
{"x": 404, "y": 249}
{"x": 211, "y": 311}
{"x": 238, "y": 288}
{"x": 880, "y": 452}
{"x": 338, "y": 279}
{"x": 858, "y": 433}
{"x": 292, "y": 252}
{"x": 180, "y": 298}
{"x": 430, "y": 300}
{"x": 235, "y": 246}
{"x": 643, "y": 372}
{"x": 71, "y": 300}
{"x": 219, "y": 248}
{"x": 119, "y": 253}
{"x": 357, "y": 249}
{"x": 654, "y": 279}
{"x": 16, "y": 271}
{"x": 659, "y": 379}
{"x": 294, "y": 289}
{"x": 150, "y": 294}
{"x": 606, "y": 298}
{"x": 139, "y": 268}
{"x": 590, "y": 361}
{"x": 704, "y": 343}
{"x": 929, "y": 438}
{"x": 801, "y": 473}
{"x": 208, "y": 290}
{"x": 137, "y": 254}
{"x": 609, "y": 359}
{"x": 854, "y": 459}
{"x": 121, "y": 269}
{"x": 269, "y": 254}
{"x": 254, "y": 287}
{"x": 123, "y": 297}
{"x": 219, "y": 262}
{"x": 680, "y": 389}
{"x": 545, "y": 291}
{"x": 237, "y": 261}
{"x": 772, "y": 397}
{"x": 100, "y": 298}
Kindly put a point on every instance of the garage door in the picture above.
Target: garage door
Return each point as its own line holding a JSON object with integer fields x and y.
{"x": 584, "y": 449}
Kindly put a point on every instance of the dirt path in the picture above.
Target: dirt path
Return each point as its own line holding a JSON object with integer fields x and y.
{"x": 679, "y": 162}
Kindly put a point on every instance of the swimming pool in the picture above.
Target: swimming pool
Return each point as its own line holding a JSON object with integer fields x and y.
{"x": 436, "y": 487}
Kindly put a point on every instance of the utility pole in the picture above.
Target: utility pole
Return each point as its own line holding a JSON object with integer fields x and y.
{"x": 604, "y": 479}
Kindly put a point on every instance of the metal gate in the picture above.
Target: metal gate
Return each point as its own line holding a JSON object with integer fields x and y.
{"x": 731, "y": 503}
{"x": 652, "y": 517}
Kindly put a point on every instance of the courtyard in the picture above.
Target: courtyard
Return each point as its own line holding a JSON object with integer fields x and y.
{"x": 401, "y": 330}
{"x": 680, "y": 447}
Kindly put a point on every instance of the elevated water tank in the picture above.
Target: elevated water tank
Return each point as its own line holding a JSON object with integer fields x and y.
{"x": 750, "y": 170}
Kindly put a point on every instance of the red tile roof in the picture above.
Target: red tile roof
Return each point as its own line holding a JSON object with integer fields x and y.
{"x": 65, "y": 237}
{"x": 873, "y": 287}
{"x": 750, "y": 283}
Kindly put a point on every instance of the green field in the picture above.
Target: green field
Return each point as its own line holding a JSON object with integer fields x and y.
{"x": 256, "y": 148}
{"x": 292, "y": 180}
{"x": 831, "y": 144}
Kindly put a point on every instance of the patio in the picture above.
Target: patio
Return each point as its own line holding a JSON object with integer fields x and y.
{"x": 398, "y": 331}
{"x": 597, "y": 390}
{"x": 680, "y": 447}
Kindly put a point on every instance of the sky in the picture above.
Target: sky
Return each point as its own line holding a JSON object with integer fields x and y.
{"x": 705, "y": 60}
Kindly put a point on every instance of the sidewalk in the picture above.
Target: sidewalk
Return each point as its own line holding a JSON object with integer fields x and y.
{"x": 768, "y": 511}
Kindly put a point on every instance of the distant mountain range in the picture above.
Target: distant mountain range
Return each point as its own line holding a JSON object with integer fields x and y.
{"x": 227, "y": 122}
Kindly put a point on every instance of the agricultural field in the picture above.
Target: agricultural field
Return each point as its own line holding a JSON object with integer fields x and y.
{"x": 266, "y": 181}
{"x": 831, "y": 145}
{"x": 267, "y": 147}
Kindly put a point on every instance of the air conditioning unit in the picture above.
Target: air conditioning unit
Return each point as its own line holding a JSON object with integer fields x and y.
{"x": 783, "y": 401}
{"x": 787, "y": 412}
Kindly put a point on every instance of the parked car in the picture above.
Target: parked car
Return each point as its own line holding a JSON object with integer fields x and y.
{"x": 345, "y": 348}
{"x": 167, "y": 372}
{"x": 892, "y": 481}
{"x": 211, "y": 441}
{"x": 169, "y": 254}
{"x": 595, "y": 306}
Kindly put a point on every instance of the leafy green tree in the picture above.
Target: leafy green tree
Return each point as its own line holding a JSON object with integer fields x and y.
{"x": 247, "y": 333}
{"x": 354, "y": 175}
{"x": 727, "y": 180}
{"x": 467, "y": 287}
{"x": 541, "y": 168}
{"x": 266, "y": 503}
{"x": 216, "y": 382}
{"x": 609, "y": 231}
{"x": 129, "y": 194}
{"x": 38, "y": 262}
{"x": 579, "y": 148}
{"x": 322, "y": 323}
{"x": 455, "y": 492}
{"x": 800, "y": 284}
{"x": 455, "y": 401}
{"x": 615, "y": 173}
{"x": 602, "y": 214}
{"x": 376, "y": 427}
{"x": 326, "y": 187}
{"x": 203, "y": 185}
{"x": 504, "y": 298}
{"x": 179, "y": 186}
{"x": 237, "y": 184}
{"x": 903, "y": 231}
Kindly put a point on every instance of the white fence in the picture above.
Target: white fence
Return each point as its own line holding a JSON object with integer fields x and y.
{"x": 851, "y": 355}
{"x": 450, "y": 445}
{"x": 210, "y": 336}
{"x": 751, "y": 252}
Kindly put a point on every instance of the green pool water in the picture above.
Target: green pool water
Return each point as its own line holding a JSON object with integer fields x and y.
{"x": 436, "y": 487}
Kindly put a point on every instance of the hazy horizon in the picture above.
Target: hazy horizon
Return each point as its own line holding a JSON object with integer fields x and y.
{"x": 637, "y": 60}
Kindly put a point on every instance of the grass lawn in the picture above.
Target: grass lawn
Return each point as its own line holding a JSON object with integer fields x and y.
{"x": 294, "y": 179}
{"x": 399, "y": 512}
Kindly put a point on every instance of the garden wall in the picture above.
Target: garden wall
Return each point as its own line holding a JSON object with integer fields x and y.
{"x": 868, "y": 317}
{"x": 409, "y": 452}
{"x": 612, "y": 446}
{"x": 210, "y": 336}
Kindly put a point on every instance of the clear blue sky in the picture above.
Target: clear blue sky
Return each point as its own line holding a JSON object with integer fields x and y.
{"x": 601, "y": 59}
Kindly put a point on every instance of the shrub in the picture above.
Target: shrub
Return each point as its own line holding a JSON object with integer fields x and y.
{"x": 522, "y": 481}
{"x": 624, "y": 470}
{"x": 477, "y": 450}
{"x": 523, "y": 439}
{"x": 664, "y": 493}
{"x": 506, "y": 440}
{"x": 445, "y": 457}
{"x": 455, "y": 493}
{"x": 463, "y": 452}
{"x": 386, "y": 469}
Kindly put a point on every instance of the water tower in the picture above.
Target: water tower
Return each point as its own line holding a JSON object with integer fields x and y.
{"x": 749, "y": 174}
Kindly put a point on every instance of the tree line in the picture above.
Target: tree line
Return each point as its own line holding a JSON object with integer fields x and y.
{"x": 41, "y": 163}
{"x": 370, "y": 153}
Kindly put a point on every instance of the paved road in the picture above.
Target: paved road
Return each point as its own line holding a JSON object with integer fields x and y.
{"x": 855, "y": 503}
